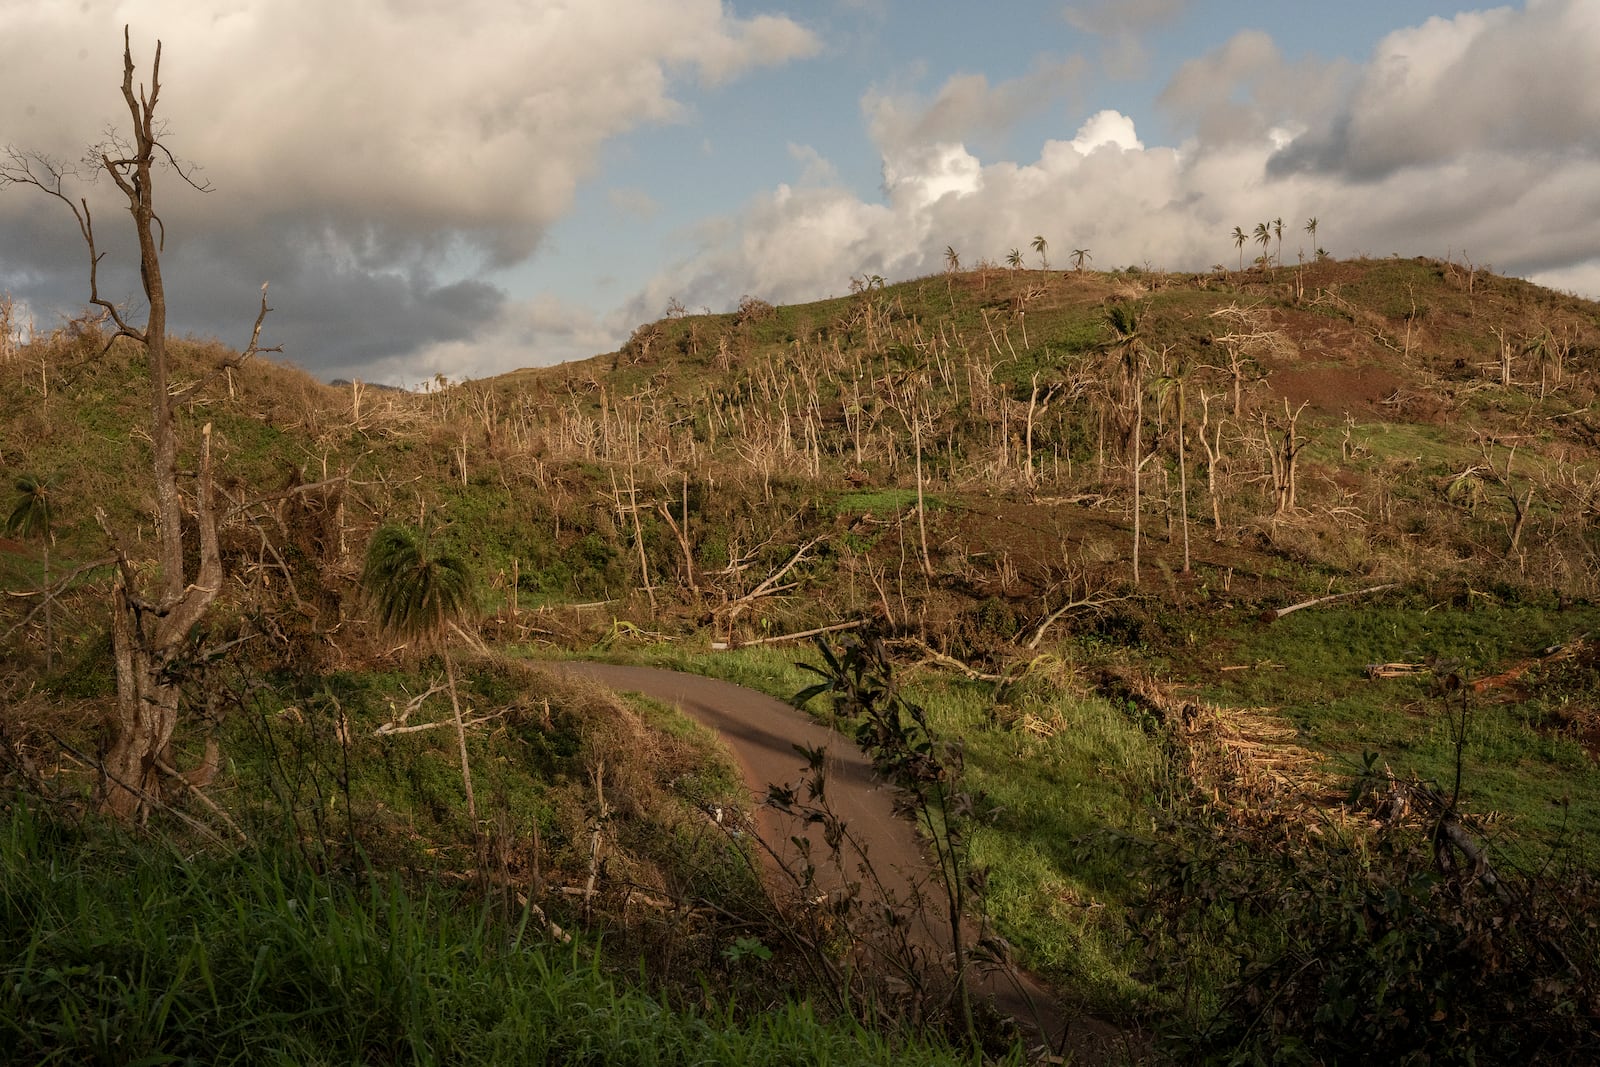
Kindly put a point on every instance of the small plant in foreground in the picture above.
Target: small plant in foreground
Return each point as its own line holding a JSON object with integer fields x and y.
{"x": 895, "y": 734}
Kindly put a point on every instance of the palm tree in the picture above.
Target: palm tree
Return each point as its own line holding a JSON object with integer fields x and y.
{"x": 419, "y": 594}
{"x": 1078, "y": 256}
{"x": 32, "y": 514}
{"x": 952, "y": 258}
{"x": 1263, "y": 236}
{"x": 1239, "y": 238}
{"x": 1277, "y": 228}
{"x": 1014, "y": 259}
{"x": 1041, "y": 246}
{"x": 1311, "y": 228}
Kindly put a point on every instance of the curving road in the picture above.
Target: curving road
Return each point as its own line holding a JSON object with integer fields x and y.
{"x": 762, "y": 734}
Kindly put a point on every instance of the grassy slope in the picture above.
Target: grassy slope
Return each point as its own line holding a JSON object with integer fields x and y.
{"x": 119, "y": 950}
{"x": 758, "y": 431}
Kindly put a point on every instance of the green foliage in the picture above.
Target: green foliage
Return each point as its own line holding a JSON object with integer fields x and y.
{"x": 1517, "y": 764}
{"x": 881, "y": 501}
{"x": 115, "y": 950}
{"x": 32, "y": 514}
{"x": 416, "y": 591}
{"x": 1341, "y": 949}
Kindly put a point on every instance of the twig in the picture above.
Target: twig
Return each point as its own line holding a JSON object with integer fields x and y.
{"x": 194, "y": 791}
{"x": 933, "y": 655}
{"x": 389, "y": 729}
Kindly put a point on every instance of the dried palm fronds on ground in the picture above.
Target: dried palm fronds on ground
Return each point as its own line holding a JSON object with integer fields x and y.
{"x": 1247, "y": 760}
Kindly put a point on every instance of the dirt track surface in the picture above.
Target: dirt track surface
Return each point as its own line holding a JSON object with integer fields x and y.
{"x": 762, "y": 734}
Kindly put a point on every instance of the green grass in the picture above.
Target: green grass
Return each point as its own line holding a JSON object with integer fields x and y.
{"x": 885, "y": 501}
{"x": 122, "y": 950}
{"x": 1537, "y": 779}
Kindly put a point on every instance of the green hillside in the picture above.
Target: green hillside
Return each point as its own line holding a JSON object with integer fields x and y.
{"x": 1072, "y": 505}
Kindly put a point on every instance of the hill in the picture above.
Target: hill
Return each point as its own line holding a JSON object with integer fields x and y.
{"x": 1070, "y": 503}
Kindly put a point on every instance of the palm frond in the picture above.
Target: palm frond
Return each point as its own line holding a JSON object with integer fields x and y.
{"x": 33, "y": 512}
{"x": 416, "y": 592}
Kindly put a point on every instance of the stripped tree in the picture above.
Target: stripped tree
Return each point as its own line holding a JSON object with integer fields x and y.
{"x": 151, "y": 621}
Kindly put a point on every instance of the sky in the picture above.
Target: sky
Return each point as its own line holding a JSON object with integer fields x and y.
{"x": 466, "y": 188}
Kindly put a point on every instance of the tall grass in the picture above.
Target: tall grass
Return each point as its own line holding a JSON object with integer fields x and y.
{"x": 122, "y": 950}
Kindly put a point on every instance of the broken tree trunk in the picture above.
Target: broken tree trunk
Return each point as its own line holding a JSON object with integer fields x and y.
{"x": 1274, "y": 614}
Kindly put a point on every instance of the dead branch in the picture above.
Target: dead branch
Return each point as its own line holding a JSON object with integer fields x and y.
{"x": 723, "y": 646}
{"x": 55, "y": 590}
{"x": 1274, "y": 614}
{"x": 472, "y": 640}
{"x": 1096, "y": 599}
{"x": 393, "y": 725}
{"x": 1396, "y": 670}
{"x": 390, "y": 729}
{"x": 596, "y": 841}
{"x": 1430, "y": 804}
{"x": 283, "y": 494}
{"x": 934, "y": 656}
{"x": 193, "y": 789}
{"x": 770, "y": 585}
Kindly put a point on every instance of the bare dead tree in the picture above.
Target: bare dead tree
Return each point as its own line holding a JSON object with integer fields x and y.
{"x": 1211, "y": 438}
{"x": 1520, "y": 504}
{"x": 150, "y": 625}
{"x": 1285, "y": 457}
{"x": 1246, "y": 339}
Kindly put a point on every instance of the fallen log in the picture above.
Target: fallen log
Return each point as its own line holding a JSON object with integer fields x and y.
{"x": 1274, "y": 614}
{"x": 1395, "y": 670}
{"x": 723, "y": 646}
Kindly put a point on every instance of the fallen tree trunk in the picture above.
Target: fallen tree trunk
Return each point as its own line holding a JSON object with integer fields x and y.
{"x": 1274, "y": 614}
{"x": 723, "y": 646}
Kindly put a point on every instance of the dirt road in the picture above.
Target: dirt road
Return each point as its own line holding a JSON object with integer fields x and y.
{"x": 762, "y": 734}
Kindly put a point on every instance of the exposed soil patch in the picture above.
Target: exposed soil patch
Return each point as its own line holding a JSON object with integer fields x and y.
{"x": 1335, "y": 390}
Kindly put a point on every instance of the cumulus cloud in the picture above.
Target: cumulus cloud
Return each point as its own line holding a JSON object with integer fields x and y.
{"x": 370, "y": 171}
{"x": 544, "y": 329}
{"x": 1439, "y": 145}
{"x": 392, "y": 138}
{"x": 1504, "y": 81}
{"x": 1246, "y": 88}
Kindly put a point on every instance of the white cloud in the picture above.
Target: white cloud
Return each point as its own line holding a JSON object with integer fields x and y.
{"x": 1106, "y": 128}
{"x": 814, "y": 169}
{"x": 369, "y": 168}
{"x": 1579, "y": 278}
{"x": 966, "y": 106}
{"x": 1452, "y": 157}
{"x": 1500, "y": 81}
{"x": 366, "y": 140}
{"x": 1122, "y": 25}
{"x": 537, "y": 332}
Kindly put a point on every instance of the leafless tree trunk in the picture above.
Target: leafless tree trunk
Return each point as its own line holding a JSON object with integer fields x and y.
{"x": 1213, "y": 447}
{"x": 1285, "y": 457}
{"x": 1136, "y": 465}
{"x": 149, "y": 629}
{"x": 1183, "y": 480}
